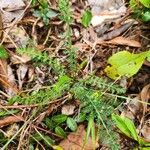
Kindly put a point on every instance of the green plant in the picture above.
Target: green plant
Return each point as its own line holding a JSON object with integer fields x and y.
{"x": 3, "y": 53}
{"x": 125, "y": 63}
{"x": 128, "y": 128}
{"x": 44, "y": 96}
{"x": 44, "y": 11}
{"x": 43, "y": 58}
{"x": 66, "y": 17}
{"x": 86, "y": 18}
{"x": 101, "y": 107}
{"x": 141, "y": 9}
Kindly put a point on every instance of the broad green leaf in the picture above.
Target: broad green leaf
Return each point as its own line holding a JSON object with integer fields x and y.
{"x": 59, "y": 131}
{"x": 146, "y": 16}
{"x": 50, "y": 123}
{"x": 51, "y": 14}
{"x": 126, "y": 126}
{"x": 125, "y": 63}
{"x": 71, "y": 124}
{"x": 86, "y": 18}
{"x": 80, "y": 118}
{"x": 59, "y": 118}
{"x": 3, "y": 52}
{"x": 146, "y": 3}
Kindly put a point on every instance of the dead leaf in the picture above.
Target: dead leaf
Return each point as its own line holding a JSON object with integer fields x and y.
{"x": 145, "y": 96}
{"x": 5, "y": 79}
{"x": 1, "y": 26}
{"x": 11, "y": 79}
{"x": 116, "y": 32}
{"x": 11, "y": 10}
{"x": 68, "y": 110}
{"x": 146, "y": 130}
{"x": 10, "y": 119}
{"x": 21, "y": 72}
{"x": 124, "y": 41}
{"x": 75, "y": 141}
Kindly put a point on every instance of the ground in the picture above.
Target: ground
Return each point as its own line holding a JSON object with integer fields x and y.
{"x": 56, "y": 91}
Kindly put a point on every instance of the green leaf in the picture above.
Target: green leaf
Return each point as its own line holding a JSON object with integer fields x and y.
{"x": 126, "y": 126}
{"x": 86, "y": 18}
{"x": 133, "y": 4}
{"x": 59, "y": 118}
{"x": 50, "y": 123}
{"x": 146, "y": 3}
{"x": 59, "y": 131}
{"x": 146, "y": 16}
{"x": 71, "y": 124}
{"x": 3, "y": 52}
{"x": 91, "y": 129}
{"x": 51, "y": 14}
{"x": 125, "y": 63}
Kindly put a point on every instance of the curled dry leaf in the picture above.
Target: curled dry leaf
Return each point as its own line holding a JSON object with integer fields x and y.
{"x": 68, "y": 110}
{"x": 146, "y": 130}
{"x": 145, "y": 96}
{"x": 124, "y": 41}
{"x": 76, "y": 140}
{"x": 11, "y": 10}
{"x": 10, "y": 120}
{"x": 21, "y": 72}
{"x": 7, "y": 79}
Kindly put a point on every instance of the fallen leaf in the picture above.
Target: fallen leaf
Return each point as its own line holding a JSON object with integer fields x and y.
{"x": 145, "y": 96}
{"x": 1, "y": 26}
{"x": 5, "y": 79}
{"x": 10, "y": 120}
{"x": 68, "y": 110}
{"x": 76, "y": 141}
{"x": 124, "y": 41}
{"x": 11, "y": 10}
{"x": 146, "y": 130}
{"x": 21, "y": 72}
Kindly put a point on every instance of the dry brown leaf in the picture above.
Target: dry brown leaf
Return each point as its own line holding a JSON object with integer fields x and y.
{"x": 1, "y": 25}
{"x": 11, "y": 10}
{"x": 5, "y": 77}
{"x": 146, "y": 130}
{"x": 68, "y": 110}
{"x": 21, "y": 72}
{"x": 75, "y": 141}
{"x": 10, "y": 120}
{"x": 124, "y": 41}
{"x": 145, "y": 96}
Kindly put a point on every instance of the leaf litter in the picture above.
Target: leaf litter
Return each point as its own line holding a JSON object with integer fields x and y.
{"x": 103, "y": 30}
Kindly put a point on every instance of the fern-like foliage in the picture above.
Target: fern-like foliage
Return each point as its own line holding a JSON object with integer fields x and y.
{"x": 67, "y": 17}
{"x": 102, "y": 84}
{"x": 44, "y": 96}
{"x": 100, "y": 105}
{"x": 43, "y": 58}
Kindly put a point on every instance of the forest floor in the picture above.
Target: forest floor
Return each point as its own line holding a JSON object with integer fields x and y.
{"x": 75, "y": 75}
